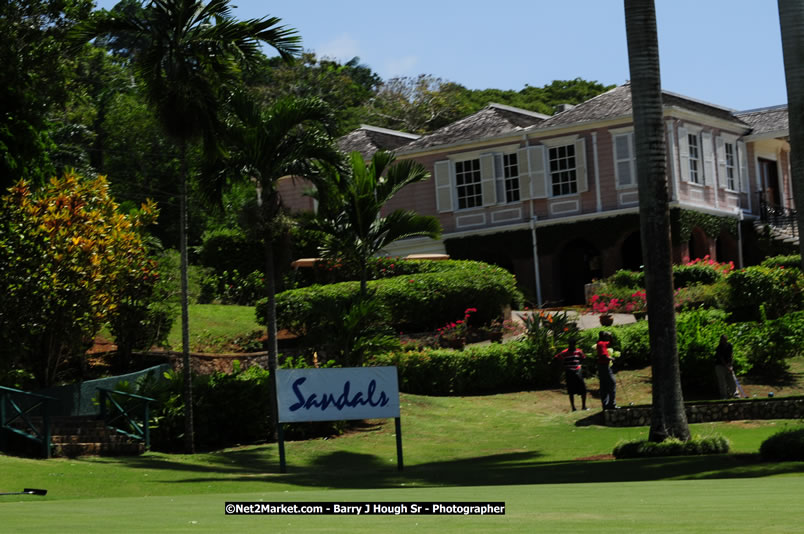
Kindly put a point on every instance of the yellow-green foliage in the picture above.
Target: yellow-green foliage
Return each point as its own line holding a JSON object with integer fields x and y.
{"x": 67, "y": 258}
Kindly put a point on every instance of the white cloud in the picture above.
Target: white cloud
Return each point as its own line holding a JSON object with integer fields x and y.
{"x": 402, "y": 66}
{"x": 344, "y": 47}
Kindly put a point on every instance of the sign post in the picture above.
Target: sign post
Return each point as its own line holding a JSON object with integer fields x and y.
{"x": 337, "y": 394}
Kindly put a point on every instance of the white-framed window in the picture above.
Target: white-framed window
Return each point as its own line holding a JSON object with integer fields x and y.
{"x": 468, "y": 184}
{"x": 506, "y": 167}
{"x": 731, "y": 165}
{"x": 563, "y": 169}
{"x": 624, "y": 159}
{"x": 694, "y": 158}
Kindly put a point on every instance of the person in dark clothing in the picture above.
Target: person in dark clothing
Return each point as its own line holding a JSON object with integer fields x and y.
{"x": 724, "y": 370}
{"x": 608, "y": 386}
{"x": 572, "y": 356}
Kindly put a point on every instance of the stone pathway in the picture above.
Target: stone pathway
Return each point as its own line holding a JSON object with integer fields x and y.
{"x": 584, "y": 320}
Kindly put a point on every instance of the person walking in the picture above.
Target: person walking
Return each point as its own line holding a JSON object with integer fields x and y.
{"x": 571, "y": 357}
{"x": 608, "y": 385}
{"x": 724, "y": 369}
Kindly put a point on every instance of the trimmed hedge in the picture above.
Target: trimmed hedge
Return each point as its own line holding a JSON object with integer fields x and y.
{"x": 477, "y": 370}
{"x": 780, "y": 291}
{"x": 414, "y": 303}
{"x": 793, "y": 261}
{"x": 787, "y": 445}
{"x": 759, "y": 347}
{"x": 699, "y": 273}
{"x": 672, "y": 447}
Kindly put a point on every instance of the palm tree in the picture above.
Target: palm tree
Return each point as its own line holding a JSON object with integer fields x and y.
{"x": 791, "y": 16}
{"x": 187, "y": 56}
{"x": 350, "y": 205}
{"x": 265, "y": 145}
{"x": 668, "y": 418}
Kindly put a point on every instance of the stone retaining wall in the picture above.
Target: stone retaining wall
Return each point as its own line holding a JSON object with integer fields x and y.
{"x": 703, "y": 412}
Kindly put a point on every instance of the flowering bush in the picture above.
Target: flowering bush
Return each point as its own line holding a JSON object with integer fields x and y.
{"x": 453, "y": 335}
{"x": 722, "y": 268}
{"x": 604, "y": 304}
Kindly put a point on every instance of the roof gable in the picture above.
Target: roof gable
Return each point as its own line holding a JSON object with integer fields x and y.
{"x": 369, "y": 139}
{"x": 491, "y": 121}
{"x": 768, "y": 120}
{"x": 616, "y": 103}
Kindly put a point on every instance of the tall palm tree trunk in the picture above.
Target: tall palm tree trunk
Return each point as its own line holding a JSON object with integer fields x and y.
{"x": 266, "y": 204}
{"x": 272, "y": 342}
{"x": 189, "y": 427}
{"x": 791, "y": 17}
{"x": 668, "y": 418}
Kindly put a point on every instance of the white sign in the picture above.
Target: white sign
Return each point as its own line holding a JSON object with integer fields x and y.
{"x": 337, "y": 394}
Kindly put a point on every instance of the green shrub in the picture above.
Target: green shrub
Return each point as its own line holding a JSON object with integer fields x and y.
{"x": 481, "y": 369}
{"x": 697, "y": 273}
{"x": 327, "y": 271}
{"x": 787, "y": 445}
{"x": 627, "y": 279}
{"x": 415, "y": 303}
{"x": 232, "y": 288}
{"x": 229, "y": 249}
{"x": 698, "y": 333}
{"x": 793, "y": 261}
{"x": 672, "y": 447}
{"x": 779, "y": 290}
{"x": 766, "y": 346}
{"x": 228, "y": 409}
{"x": 698, "y": 295}
{"x": 631, "y": 340}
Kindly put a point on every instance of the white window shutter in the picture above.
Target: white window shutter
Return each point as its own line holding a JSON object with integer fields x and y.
{"x": 684, "y": 154}
{"x": 580, "y": 165}
{"x": 537, "y": 171}
{"x": 487, "y": 182}
{"x": 723, "y": 179}
{"x": 443, "y": 185}
{"x": 742, "y": 156}
{"x": 523, "y": 166}
{"x": 499, "y": 178}
{"x": 708, "y": 160}
{"x": 632, "y": 144}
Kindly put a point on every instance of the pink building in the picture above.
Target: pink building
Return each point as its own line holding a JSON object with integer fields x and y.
{"x": 554, "y": 198}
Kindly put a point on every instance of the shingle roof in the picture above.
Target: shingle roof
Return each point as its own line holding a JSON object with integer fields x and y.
{"x": 369, "y": 139}
{"x": 617, "y": 103}
{"x": 766, "y": 120}
{"x": 491, "y": 121}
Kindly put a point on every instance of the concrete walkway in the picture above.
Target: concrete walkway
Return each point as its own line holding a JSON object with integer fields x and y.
{"x": 584, "y": 320}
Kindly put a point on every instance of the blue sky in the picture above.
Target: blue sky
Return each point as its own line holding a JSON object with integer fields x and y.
{"x": 727, "y": 52}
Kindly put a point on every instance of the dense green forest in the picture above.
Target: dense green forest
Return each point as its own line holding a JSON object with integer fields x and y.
{"x": 84, "y": 108}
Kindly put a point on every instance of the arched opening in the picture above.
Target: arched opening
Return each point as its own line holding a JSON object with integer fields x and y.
{"x": 579, "y": 263}
{"x": 726, "y": 248}
{"x": 697, "y": 244}
{"x": 631, "y": 252}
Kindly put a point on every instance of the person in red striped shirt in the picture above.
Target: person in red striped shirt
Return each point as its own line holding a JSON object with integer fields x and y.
{"x": 572, "y": 356}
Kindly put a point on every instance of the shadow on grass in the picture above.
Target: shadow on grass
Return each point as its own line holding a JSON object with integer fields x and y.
{"x": 348, "y": 470}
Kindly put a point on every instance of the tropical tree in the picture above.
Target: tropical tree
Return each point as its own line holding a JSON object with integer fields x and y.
{"x": 188, "y": 56}
{"x": 68, "y": 260}
{"x": 668, "y": 418}
{"x": 38, "y": 71}
{"x": 791, "y": 16}
{"x": 264, "y": 145}
{"x": 350, "y": 206}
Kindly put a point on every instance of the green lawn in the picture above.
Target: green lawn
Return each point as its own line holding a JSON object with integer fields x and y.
{"x": 743, "y": 505}
{"x": 212, "y": 325}
{"x": 522, "y": 448}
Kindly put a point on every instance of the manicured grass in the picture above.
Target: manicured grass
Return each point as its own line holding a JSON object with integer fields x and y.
{"x": 522, "y": 448}
{"x": 211, "y": 325}
{"x": 742, "y": 505}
